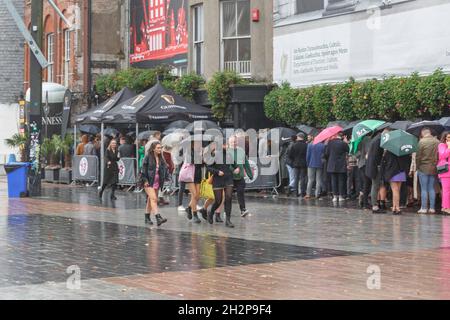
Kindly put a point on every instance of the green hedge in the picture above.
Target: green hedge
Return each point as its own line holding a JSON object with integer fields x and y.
{"x": 388, "y": 99}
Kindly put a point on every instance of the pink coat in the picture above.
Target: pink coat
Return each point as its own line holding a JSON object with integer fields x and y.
{"x": 444, "y": 155}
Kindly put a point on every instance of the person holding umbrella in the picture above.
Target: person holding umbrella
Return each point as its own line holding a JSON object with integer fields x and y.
{"x": 111, "y": 173}
{"x": 444, "y": 172}
{"x": 396, "y": 162}
{"x": 336, "y": 155}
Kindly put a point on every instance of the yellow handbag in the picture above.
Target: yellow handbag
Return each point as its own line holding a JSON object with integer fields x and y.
{"x": 206, "y": 189}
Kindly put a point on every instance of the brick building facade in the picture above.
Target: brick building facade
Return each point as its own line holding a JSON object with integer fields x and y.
{"x": 94, "y": 46}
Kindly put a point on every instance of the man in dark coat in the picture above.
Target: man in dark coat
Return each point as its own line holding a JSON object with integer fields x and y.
{"x": 336, "y": 155}
{"x": 373, "y": 162}
{"x": 297, "y": 155}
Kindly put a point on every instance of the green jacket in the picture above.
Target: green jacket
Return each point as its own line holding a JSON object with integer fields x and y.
{"x": 240, "y": 161}
{"x": 141, "y": 156}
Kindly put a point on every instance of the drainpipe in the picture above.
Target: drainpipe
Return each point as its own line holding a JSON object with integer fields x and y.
{"x": 87, "y": 43}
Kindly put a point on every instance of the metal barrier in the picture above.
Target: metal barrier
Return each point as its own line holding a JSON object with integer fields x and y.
{"x": 85, "y": 168}
{"x": 264, "y": 181}
{"x": 127, "y": 172}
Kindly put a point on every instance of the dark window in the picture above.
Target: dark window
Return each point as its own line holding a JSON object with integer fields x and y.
{"x": 305, "y": 6}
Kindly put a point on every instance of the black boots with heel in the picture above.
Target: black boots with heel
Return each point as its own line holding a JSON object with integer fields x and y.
{"x": 160, "y": 220}
{"x": 148, "y": 220}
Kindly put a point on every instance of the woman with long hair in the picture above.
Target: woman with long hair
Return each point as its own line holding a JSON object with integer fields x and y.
{"x": 154, "y": 173}
{"x": 111, "y": 171}
{"x": 444, "y": 176}
{"x": 193, "y": 157}
{"x": 222, "y": 184}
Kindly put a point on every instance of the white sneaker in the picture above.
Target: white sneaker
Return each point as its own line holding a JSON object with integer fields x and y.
{"x": 341, "y": 199}
{"x": 199, "y": 208}
{"x": 335, "y": 199}
{"x": 181, "y": 208}
{"x": 422, "y": 211}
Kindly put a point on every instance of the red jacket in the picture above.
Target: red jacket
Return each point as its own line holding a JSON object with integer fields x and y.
{"x": 168, "y": 157}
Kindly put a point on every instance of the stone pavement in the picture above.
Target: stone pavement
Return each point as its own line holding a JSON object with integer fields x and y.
{"x": 285, "y": 249}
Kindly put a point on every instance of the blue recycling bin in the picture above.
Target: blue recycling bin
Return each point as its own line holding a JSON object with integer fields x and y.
{"x": 17, "y": 173}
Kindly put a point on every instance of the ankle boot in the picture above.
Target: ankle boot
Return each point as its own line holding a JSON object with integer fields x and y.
{"x": 196, "y": 218}
{"x": 211, "y": 217}
{"x": 189, "y": 213}
{"x": 383, "y": 205}
{"x": 148, "y": 220}
{"x": 160, "y": 220}
{"x": 228, "y": 222}
{"x": 218, "y": 218}
{"x": 204, "y": 213}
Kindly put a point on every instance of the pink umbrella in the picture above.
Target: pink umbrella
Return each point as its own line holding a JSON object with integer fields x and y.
{"x": 327, "y": 134}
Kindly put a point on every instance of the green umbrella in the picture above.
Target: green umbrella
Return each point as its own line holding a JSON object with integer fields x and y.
{"x": 361, "y": 130}
{"x": 399, "y": 142}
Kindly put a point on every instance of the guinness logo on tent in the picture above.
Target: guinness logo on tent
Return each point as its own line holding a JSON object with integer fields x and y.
{"x": 169, "y": 99}
{"x": 138, "y": 99}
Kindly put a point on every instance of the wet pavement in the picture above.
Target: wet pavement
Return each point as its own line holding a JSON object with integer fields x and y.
{"x": 285, "y": 249}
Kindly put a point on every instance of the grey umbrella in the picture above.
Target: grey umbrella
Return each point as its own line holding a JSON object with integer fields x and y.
{"x": 401, "y": 125}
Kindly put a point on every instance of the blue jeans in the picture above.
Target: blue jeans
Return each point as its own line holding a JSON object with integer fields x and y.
{"x": 291, "y": 172}
{"x": 427, "y": 183}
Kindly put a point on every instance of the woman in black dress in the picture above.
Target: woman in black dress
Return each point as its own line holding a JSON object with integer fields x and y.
{"x": 195, "y": 156}
{"x": 223, "y": 184}
{"x": 111, "y": 173}
{"x": 154, "y": 173}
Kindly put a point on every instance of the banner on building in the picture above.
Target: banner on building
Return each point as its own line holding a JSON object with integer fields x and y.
{"x": 127, "y": 171}
{"x": 380, "y": 45}
{"x": 66, "y": 112}
{"x": 159, "y": 33}
{"x": 85, "y": 168}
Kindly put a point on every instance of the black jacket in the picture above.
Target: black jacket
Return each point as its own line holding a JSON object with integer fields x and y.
{"x": 392, "y": 165}
{"x": 297, "y": 154}
{"x": 336, "y": 155}
{"x": 227, "y": 169}
{"x": 148, "y": 172}
{"x": 374, "y": 156}
{"x": 111, "y": 173}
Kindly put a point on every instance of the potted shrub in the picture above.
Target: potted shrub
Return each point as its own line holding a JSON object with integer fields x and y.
{"x": 18, "y": 141}
{"x": 65, "y": 174}
{"x": 51, "y": 151}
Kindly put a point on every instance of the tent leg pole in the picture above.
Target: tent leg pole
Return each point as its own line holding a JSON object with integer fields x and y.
{"x": 102, "y": 155}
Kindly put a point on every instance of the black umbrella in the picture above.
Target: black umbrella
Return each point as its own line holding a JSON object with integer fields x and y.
{"x": 145, "y": 135}
{"x": 201, "y": 126}
{"x": 284, "y": 133}
{"x": 111, "y": 132}
{"x": 401, "y": 125}
{"x": 307, "y": 129}
{"x": 348, "y": 130}
{"x": 339, "y": 123}
{"x": 416, "y": 128}
{"x": 180, "y": 124}
{"x": 89, "y": 129}
{"x": 445, "y": 122}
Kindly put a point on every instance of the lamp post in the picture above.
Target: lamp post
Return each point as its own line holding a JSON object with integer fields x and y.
{"x": 35, "y": 108}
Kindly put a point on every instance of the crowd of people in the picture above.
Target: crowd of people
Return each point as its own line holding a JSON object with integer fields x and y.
{"x": 372, "y": 174}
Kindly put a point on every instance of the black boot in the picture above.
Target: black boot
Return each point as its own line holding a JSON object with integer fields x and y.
{"x": 148, "y": 220}
{"x": 218, "y": 218}
{"x": 383, "y": 205}
{"x": 160, "y": 220}
{"x": 228, "y": 222}
{"x": 113, "y": 193}
{"x": 189, "y": 213}
{"x": 204, "y": 214}
{"x": 196, "y": 219}
{"x": 211, "y": 217}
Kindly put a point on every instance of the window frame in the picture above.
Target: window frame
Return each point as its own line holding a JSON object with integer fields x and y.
{"x": 50, "y": 56}
{"x": 198, "y": 42}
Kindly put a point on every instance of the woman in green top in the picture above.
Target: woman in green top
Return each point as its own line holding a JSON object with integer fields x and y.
{"x": 141, "y": 153}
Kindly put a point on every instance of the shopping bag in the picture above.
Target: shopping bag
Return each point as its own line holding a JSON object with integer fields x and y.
{"x": 187, "y": 173}
{"x": 206, "y": 189}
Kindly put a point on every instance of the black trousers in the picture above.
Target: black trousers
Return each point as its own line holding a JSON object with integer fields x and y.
{"x": 239, "y": 185}
{"x": 218, "y": 194}
{"x": 113, "y": 189}
{"x": 338, "y": 182}
{"x": 353, "y": 182}
{"x": 301, "y": 176}
{"x": 366, "y": 185}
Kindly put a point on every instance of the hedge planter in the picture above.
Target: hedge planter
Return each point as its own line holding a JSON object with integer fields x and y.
{"x": 65, "y": 176}
{"x": 51, "y": 175}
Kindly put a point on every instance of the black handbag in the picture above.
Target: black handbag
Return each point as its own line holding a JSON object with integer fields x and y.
{"x": 442, "y": 169}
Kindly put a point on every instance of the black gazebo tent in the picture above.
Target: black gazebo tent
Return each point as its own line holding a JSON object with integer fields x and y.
{"x": 95, "y": 114}
{"x": 156, "y": 105}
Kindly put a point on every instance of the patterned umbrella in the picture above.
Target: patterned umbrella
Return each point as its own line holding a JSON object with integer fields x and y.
{"x": 399, "y": 142}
